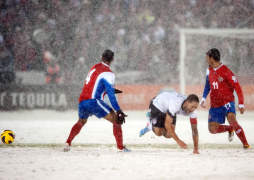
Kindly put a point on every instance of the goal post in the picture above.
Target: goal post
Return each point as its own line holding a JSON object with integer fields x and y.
{"x": 221, "y": 34}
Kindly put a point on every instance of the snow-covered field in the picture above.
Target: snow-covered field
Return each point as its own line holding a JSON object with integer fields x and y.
{"x": 40, "y": 134}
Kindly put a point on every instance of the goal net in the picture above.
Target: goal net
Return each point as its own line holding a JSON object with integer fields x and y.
{"x": 235, "y": 45}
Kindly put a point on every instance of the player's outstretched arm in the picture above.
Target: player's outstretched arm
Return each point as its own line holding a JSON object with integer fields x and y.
{"x": 241, "y": 109}
{"x": 235, "y": 83}
{"x": 171, "y": 132}
{"x": 195, "y": 137}
{"x": 206, "y": 90}
{"x": 202, "y": 103}
{"x": 111, "y": 92}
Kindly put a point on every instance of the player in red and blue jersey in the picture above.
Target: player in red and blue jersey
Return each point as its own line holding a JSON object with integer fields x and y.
{"x": 221, "y": 83}
{"x": 100, "y": 81}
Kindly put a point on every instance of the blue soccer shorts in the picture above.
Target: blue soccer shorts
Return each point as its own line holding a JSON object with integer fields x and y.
{"x": 219, "y": 114}
{"x": 91, "y": 107}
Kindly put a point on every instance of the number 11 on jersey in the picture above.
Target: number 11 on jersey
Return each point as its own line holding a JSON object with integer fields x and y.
{"x": 215, "y": 85}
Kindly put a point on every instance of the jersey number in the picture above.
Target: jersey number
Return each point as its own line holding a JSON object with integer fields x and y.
{"x": 227, "y": 105}
{"x": 215, "y": 85}
{"x": 89, "y": 76}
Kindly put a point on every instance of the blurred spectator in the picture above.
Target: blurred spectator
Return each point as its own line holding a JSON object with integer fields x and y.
{"x": 53, "y": 71}
{"x": 24, "y": 52}
{"x": 145, "y": 54}
{"x": 120, "y": 50}
{"x": 7, "y": 73}
{"x": 134, "y": 29}
{"x": 134, "y": 48}
{"x": 80, "y": 70}
{"x": 159, "y": 32}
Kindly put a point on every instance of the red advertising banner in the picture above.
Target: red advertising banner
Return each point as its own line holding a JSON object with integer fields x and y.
{"x": 137, "y": 97}
{"x": 134, "y": 97}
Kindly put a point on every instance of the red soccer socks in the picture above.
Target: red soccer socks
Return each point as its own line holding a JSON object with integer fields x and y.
{"x": 221, "y": 129}
{"x": 117, "y": 131}
{"x": 224, "y": 128}
{"x": 74, "y": 131}
{"x": 239, "y": 132}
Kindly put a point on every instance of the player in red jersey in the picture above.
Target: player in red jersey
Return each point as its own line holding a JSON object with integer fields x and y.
{"x": 221, "y": 83}
{"x": 100, "y": 80}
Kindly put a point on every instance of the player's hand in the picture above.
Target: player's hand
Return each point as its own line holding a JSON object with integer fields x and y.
{"x": 182, "y": 144}
{"x": 120, "y": 117}
{"x": 118, "y": 91}
{"x": 195, "y": 151}
{"x": 241, "y": 110}
{"x": 203, "y": 104}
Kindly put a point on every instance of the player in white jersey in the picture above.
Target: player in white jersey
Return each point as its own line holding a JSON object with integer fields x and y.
{"x": 162, "y": 117}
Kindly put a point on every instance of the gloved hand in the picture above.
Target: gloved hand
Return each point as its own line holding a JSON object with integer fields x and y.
{"x": 120, "y": 117}
{"x": 202, "y": 103}
{"x": 118, "y": 91}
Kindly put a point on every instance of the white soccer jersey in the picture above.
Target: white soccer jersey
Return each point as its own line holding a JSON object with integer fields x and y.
{"x": 172, "y": 102}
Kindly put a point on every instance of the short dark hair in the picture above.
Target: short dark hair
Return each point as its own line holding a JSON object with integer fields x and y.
{"x": 108, "y": 55}
{"x": 214, "y": 53}
{"x": 193, "y": 98}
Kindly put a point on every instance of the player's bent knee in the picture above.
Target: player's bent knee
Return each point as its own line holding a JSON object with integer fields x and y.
{"x": 167, "y": 136}
{"x": 159, "y": 133}
{"x": 212, "y": 131}
{"x": 83, "y": 121}
{"x": 231, "y": 117}
{"x": 114, "y": 116}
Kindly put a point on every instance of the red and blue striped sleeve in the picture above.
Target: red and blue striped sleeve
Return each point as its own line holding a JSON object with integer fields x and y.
{"x": 109, "y": 83}
{"x": 207, "y": 85}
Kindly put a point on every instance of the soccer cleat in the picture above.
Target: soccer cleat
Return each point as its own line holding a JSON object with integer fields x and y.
{"x": 231, "y": 136}
{"x": 124, "y": 150}
{"x": 246, "y": 146}
{"x": 143, "y": 131}
{"x": 66, "y": 147}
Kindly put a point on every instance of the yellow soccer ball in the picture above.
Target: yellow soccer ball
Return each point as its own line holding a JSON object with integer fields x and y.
{"x": 7, "y": 137}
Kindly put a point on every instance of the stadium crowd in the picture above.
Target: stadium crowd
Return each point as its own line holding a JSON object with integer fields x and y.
{"x": 65, "y": 37}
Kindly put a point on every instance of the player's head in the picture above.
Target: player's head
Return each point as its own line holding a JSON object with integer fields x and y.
{"x": 108, "y": 56}
{"x": 191, "y": 103}
{"x": 213, "y": 54}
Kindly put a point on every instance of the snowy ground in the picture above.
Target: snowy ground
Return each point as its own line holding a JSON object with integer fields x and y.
{"x": 40, "y": 134}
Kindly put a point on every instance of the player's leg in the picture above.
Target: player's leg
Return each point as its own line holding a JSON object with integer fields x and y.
{"x": 83, "y": 112}
{"x": 231, "y": 116}
{"x": 238, "y": 129}
{"x": 148, "y": 126}
{"x": 156, "y": 120}
{"x": 215, "y": 128}
{"x": 117, "y": 130}
{"x": 75, "y": 130}
{"x": 149, "y": 123}
{"x": 158, "y": 125}
{"x": 216, "y": 119}
{"x": 110, "y": 115}
{"x": 159, "y": 131}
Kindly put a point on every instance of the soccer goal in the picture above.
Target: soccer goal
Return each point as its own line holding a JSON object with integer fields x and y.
{"x": 236, "y": 47}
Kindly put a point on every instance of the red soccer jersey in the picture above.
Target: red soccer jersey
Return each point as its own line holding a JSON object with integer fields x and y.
{"x": 222, "y": 84}
{"x": 100, "y": 80}
{"x": 90, "y": 89}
